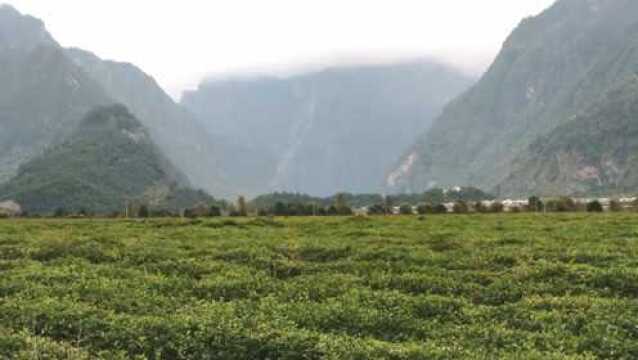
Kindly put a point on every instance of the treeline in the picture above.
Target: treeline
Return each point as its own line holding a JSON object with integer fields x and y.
{"x": 434, "y": 196}
{"x": 437, "y": 201}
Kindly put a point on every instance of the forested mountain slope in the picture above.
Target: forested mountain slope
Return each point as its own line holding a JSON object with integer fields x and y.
{"x": 108, "y": 160}
{"x": 552, "y": 67}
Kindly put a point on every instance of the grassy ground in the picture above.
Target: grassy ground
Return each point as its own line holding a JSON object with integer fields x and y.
{"x": 479, "y": 287}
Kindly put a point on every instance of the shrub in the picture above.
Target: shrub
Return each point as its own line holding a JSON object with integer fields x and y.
{"x": 563, "y": 204}
{"x": 215, "y": 211}
{"x": 424, "y": 209}
{"x": 460, "y": 207}
{"x": 406, "y": 209}
{"x": 497, "y": 207}
{"x": 594, "y": 206}
{"x": 60, "y": 212}
{"x": 376, "y": 209}
{"x": 143, "y": 212}
{"x": 615, "y": 206}
{"x": 535, "y": 204}
{"x": 479, "y": 207}
{"x": 440, "y": 209}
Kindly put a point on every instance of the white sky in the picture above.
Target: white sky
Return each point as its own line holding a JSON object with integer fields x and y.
{"x": 181, "y": 42}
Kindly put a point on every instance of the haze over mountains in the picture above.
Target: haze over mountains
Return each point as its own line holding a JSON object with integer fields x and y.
{"x": 553, "y": 115}
{"x": 554, "y": 74}
{"x": 47, "y": 90}
{"x": 335, "y": 130}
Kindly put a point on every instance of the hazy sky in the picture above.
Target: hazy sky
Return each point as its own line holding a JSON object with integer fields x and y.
{"x": 181, "y": 42}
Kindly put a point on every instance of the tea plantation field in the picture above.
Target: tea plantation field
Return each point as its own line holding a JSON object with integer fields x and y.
{"x": 524, "y": 286}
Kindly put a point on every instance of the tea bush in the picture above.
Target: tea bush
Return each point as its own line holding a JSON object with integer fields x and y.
{"x": 482, "y": 286}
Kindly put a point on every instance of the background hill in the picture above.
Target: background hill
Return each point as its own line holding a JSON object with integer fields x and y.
{"x": 108, "y": 160}
{"x": 184, "y": 141}
{"x": 320, "y": 133}
{"x": 553, "y": 67}
{"x": 42, "y": 94}
{"x": 45, "y": 91}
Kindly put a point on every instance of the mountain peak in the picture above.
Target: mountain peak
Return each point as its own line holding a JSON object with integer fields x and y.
{"x": 18, "y": 31}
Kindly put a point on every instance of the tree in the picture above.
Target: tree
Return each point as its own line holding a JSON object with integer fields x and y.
{"x": 406, "y": 209}
{"x": 341, "y": 205}
{"x": 594, "y": 206}
{"x": 280, "y": 209}
{"x": 332, "y": 211}
{"x": 440, "y": 209}
{"x": 424, "y": 209}
{"x": 376, "y": 209}
{"x": 615, "y": 206}
{"x": 479, "y": 207}
{"x": 563, "y": 204}
{"x": 242, "y": 209}
{"x": 497, "y": 207}
{"x": 60, "y": 212}
{"x": 215, "y": 211}
{"x": 460, "y": 207}
{"x": 535, "y": 204}
{"x": 143, "y": 212}
{"x": 387, "y": 205}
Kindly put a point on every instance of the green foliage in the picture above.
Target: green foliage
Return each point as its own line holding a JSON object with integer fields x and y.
{"x": 406, "y": 209}
{"x": 440, "y": 209}
{"x": 474, "y": 286}
{"x": 594, "y": 206}
{"x": 108, "y": 161}
{"x": 562, "y": 204}
{"x": 496, "y": 207}
{"x": 545, "y": 76}
{"x": 143, "y": 212}
{"x": 423, "y": 209}
{"x": 535, "y": 204}
{"x": 461, "y": 207}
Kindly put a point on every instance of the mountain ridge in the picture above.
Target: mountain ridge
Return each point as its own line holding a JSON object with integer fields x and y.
{"x": 550, "y": 68}
{"x": 337, "y": 129}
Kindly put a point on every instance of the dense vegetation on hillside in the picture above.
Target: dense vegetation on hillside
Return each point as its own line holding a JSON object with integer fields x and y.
{"x": 552, "y": 67}
{"x": 480, "y": 287}
{"x": 107, "y": 162}
{"x": 176, "y": 132}
{"x": 593, "y": 153}
{"x": 45, "y": 91}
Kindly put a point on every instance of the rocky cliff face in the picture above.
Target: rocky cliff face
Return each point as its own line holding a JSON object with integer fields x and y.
{"x": 43, "y": 95}
{"x": 595, "y": 152}
{"x": 336, "y": 130}
{"x": 46, "y": 90}
{"x": 184, "y": 141}
{"x": 551, "y": 68}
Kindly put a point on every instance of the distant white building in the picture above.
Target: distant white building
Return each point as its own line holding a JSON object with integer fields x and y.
{"x": 510, "y": 204}
{"x": 10, "y": 208}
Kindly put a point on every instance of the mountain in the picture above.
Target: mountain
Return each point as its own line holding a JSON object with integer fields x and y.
{"x": 594, "y": 153}
{"x": 184, "y": 141}
{"x": 42, "y": 94}
{"x": 335, "y": 130}
{"x": 45, "y": 90}
{"x": 109, "y": 159}
{"x": 552, "y": 68}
